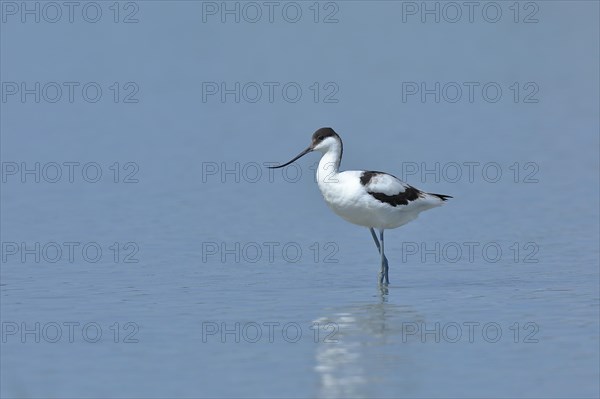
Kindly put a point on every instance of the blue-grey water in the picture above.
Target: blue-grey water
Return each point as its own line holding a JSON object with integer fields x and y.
{"x": 148, "y": 252}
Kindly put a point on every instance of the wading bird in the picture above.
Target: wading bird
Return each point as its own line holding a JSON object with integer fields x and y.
{"x": 376, "y": 200}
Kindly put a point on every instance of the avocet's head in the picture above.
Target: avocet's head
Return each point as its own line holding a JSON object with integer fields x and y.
{"x": 323, "y": 140}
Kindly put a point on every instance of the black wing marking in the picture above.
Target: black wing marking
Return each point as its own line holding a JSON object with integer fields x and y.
{"x": 403, "y": 193}
{"x": 410, "y": 194}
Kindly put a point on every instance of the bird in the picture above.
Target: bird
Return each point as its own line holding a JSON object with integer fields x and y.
{"x": 372, "y": 199}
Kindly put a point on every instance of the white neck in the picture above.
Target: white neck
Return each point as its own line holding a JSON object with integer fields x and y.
{"x": 329, "y": 165}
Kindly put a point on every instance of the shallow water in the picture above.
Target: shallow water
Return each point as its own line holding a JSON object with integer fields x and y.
{"x": 216, "y": 279}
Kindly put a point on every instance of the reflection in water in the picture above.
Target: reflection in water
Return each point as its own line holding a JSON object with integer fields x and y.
{"x": 356, "y": 359}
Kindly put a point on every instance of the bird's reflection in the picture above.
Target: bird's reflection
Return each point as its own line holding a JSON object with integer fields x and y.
{"x": 365, "y": 350}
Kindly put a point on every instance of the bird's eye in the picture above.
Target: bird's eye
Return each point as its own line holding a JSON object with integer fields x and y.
{"x": 320, "y": 138}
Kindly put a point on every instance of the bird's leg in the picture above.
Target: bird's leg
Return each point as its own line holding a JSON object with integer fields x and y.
{"x": 384, "y": 262}
{"x": 383, "y": 272}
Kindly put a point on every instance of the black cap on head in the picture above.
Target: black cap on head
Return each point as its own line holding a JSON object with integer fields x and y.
{"x": 322, "y": 133}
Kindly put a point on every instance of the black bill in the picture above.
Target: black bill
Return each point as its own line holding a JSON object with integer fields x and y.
{"x": 303, "y": 153}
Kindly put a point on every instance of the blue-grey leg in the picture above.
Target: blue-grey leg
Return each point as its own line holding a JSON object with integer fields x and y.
{"x": 383, "y": 274}
{"x": 384, "y": 262}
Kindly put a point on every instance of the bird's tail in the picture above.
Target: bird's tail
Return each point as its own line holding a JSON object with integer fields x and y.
{"x": 441, "y": 196}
